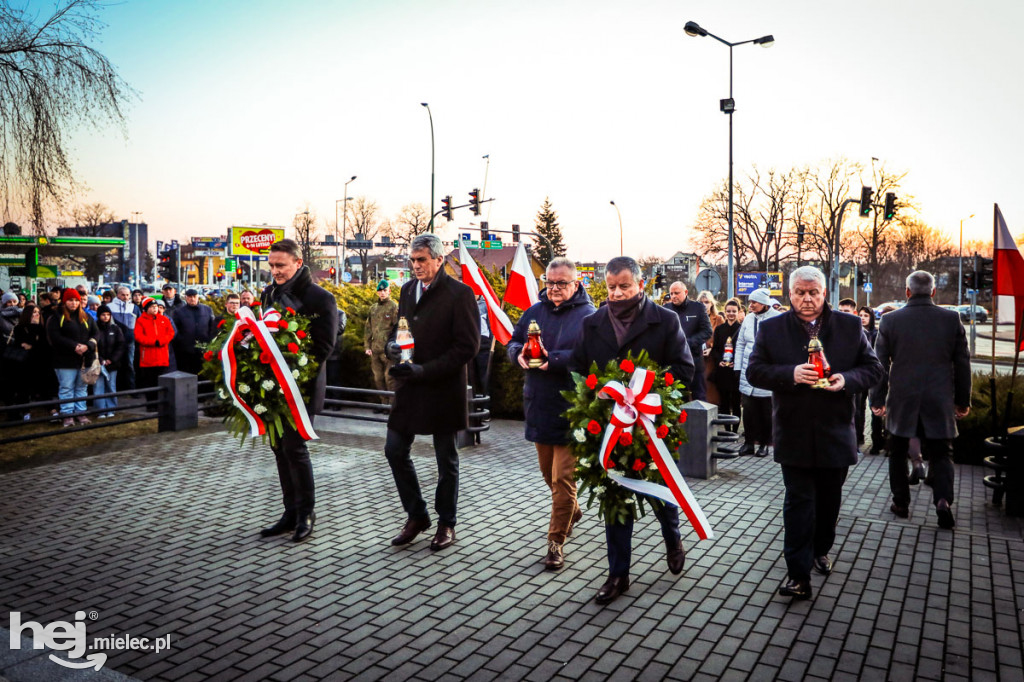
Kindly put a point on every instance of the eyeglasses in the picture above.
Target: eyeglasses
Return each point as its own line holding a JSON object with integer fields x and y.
{"x": 559, "y": 285}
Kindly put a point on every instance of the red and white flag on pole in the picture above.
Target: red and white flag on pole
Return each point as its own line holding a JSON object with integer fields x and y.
{"x": 522, "y": 285}
{"x": 1008, "y": 269}
{"x": 501, "y": 326}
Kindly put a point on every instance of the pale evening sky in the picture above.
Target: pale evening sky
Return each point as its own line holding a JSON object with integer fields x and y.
{"x": 250, "y": 109}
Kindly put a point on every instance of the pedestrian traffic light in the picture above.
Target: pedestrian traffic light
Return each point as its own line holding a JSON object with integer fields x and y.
{"x": 890, "y": 205}
{"x": 984, "y": 274}
{"x": 446, "y": 207}
{"x": 474, "y": 201}
{"x": 865, "y": 200}
{"x": 515, "y": 234}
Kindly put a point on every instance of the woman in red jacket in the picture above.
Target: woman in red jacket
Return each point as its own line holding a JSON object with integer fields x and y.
{"x": 153, "y": 333}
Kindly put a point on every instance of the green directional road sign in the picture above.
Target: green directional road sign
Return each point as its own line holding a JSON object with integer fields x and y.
{"x": 490, "y": 244}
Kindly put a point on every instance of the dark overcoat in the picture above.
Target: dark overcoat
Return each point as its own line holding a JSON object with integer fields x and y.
{"x": 445, "y": 326}
{"x": 655, "y": 330}
{"x": 192, "y": 325}
{"x": 924, "y": 349}
{"x": 813, "y": 427}
{"x": 312, "y": 301}
{"x": 693, "y": 318}
{"x": 560, "y": 327}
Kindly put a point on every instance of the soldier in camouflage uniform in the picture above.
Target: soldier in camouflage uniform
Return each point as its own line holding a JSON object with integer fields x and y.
{"x": 381, "y": 322}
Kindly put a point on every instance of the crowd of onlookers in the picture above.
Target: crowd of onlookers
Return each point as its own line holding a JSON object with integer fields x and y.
{"x": 72, "y": 345}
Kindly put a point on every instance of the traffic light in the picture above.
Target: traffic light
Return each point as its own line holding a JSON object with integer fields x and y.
{"x": 984, "y": 274}
{"x": 865, "y": 200}
{"x": 446, "y": 207}
{"x": 333, "y": 271}
{"x": 515, "y": 234}
{"x": 168, "y": 266}
{"x": 659, "y": 281}
{"x": 969, "y": 281}
{"x": 862, "y": 278}
{"x": 769, "y": 234}
{"x": 474, "y": 201}
{"x": 890, "y": 205}
{"x": 800, "y": 235}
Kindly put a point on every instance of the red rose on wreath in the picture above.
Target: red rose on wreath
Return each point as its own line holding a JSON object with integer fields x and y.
{"x": 221, "y": 324}
{"x": 301, "y": 334}
{"x": 208, "y": 355}
{"x": 289, "y": 310}
{"x": 662, "y": 431}
{"x": 255, "y": 305}
{"x": 265, "y": 358}
{"x": 592, "y": 382}
{"x": 682, "y": 417}
{"x": 627, "y": 366}
{"x": 293, "y": 347}
{"x": 626, "y": 439}
{"x": 669, "y": 379}
{"x": 281, "y": 324}
{"x": 594, "y": 427}
{"x": 638, "y": 465}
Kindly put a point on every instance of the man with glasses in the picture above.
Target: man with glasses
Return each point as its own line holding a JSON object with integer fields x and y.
{"x": 430, "y": 391}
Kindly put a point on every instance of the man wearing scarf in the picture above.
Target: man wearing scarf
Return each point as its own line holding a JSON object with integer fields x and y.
{"x": 631, "y": 323}
{"x": 293, "y": 287}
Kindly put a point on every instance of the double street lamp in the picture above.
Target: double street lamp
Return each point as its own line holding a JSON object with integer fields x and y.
{"x": 427, "y": 106}
{"x": 728, "y": 106}
{"x": 620, "y": 225}
{"x": 344, "y": 231}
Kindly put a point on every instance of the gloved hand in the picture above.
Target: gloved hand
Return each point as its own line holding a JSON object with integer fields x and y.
{"x": 406, "y": 371}
{"x": 393, "y": 351}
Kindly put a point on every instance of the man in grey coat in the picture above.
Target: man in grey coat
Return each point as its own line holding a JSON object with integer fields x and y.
{"x": 927, "y": 387}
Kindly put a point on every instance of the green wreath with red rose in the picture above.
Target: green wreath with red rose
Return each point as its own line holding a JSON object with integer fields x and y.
{"x": 255, "y": 382}
{"x": 589, "y": 416}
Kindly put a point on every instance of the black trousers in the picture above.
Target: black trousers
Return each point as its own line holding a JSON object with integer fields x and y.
{"x": 620, "y": 539}
{"x": 295, "y": 471}
{"x": 147, "y": 378}
{"x": 478, "y": 375}
{"x": 698, "y": 388}
{"x": 938, "y": 453}
{"x": 877, "y": 423}
{"x": 728, "y": 395}
{"x": 757, "y": 419}
{"x": 446, "y": 496}
{"x": 809, "y": 514}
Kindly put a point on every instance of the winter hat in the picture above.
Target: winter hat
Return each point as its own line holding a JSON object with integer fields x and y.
{"x": 762, "y": 296}
{"x": 146, "y": 302}
{"x": 8, "y": 297}
{"x": 93, "y": 300}
{"x": 382, "y": 285}
{"x": 103, "y": 309}
{"x": 70, "y": 295}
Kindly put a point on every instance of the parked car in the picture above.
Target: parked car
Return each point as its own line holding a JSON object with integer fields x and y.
{"x": 980, "y": 314}
{"x": 888, "y": 307}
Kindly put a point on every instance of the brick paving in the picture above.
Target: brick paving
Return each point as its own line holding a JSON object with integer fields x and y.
{"x": 160, "y": 538}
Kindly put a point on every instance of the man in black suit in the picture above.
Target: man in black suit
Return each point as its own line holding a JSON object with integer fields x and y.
{"x": 430, "y": 392}
{"x": 693, "y": 318}
{"x": 815, "y": 439}
{"x": 631, "y": 322}
{"x": 927, "y": 388}
{"x": 293, "y": 287}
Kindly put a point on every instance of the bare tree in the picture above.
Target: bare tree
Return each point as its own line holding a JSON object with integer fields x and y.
{"x": 364, "y": 217}
{"x": 305, "y": 226}
{"x": 89, "y": 221}
{"x": 412, "y": 221}
{"x": 51, "y": 81}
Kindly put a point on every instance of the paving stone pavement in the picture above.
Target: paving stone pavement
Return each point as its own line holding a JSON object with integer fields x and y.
{"x": 161, "y": 539}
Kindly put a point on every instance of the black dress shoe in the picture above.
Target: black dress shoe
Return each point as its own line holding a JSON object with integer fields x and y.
{"x": 612, "y": 588}
{"x": 676, "y": 558}
{"x": 286, "y": 524}
{"x": 762, "y": 451}
{"x": 443, "y": 538}
{"x": 900, "y": 510}
{"x": 823, "y": 565}
{"x": 747, "y": 449}
{"x": 412, "y": 528}
{"x": 797, "y": 589}
{"x": 945, "y": 514}
{"x": 304, "y": 528}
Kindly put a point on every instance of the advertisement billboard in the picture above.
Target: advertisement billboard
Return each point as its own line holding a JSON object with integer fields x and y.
{"x": 747, "y": 282}
{"x": 254, "y": 241}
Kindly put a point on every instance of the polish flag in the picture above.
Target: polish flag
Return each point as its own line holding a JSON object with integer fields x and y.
{"x": 522, "y": 285}
{"x": 501, "y": 326}
{"x": 1008, "y": 269}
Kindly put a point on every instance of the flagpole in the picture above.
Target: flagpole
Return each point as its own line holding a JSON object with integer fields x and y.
{"x": 995, "y": 317}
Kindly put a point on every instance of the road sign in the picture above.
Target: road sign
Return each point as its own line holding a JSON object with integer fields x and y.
{"x": 346, "y": 276}
{"x": 230, "y": 265}
{"x": 209, "y": 243}
{"x": 708, "y": 279}
{"x": 468, "y": 243}
{"x": 206, "y": 253}
{"x": 867, "y": 287}
{"x": 359, "y": 244}
{"x": 491, "y": 244}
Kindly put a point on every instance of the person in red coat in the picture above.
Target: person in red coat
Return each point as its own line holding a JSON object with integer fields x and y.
{"x": 153, "y": 333}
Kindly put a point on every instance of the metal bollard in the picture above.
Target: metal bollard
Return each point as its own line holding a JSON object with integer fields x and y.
{"x": 179, "y": 409}
{"x": 695, "y": 455}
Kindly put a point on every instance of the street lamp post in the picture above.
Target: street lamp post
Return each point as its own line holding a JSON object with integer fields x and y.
{"x": 337, "y": 270}
{"x": 427, "y": 106}
{"x": 960, "y": 266}
{"x": 728, "y": 106}
{"x": 344, "y": 231}
{"x": 621, "y": 253}
{"x": 138, "y": 272}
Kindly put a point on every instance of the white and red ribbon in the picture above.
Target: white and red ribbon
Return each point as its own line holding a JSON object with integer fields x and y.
{"x": 636, "y": 404}
{"x": 248, "y": 321}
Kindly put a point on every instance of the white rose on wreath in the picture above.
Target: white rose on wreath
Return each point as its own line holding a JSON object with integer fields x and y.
{"x": 243, "y": 388}
{"x": 303, "y": 361}
{"x": 268, "y": 385}
{"x": 295, "y": 373}
{"x": 260, "y": 409}
{"x": 580, "y": 435}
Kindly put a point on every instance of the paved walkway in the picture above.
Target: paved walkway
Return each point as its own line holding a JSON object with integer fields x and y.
{"x": 160, "y": 539}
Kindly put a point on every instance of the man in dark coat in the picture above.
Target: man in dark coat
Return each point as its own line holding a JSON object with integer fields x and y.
{"x": 563, "y": 306}
{"x": 430, "y": 394}
{"x": 926, "y": 389}
{"x": 693, "y": 318}
{"x": 293, "y": 287}
{"x": 815, "y": 438}
{"x": 632, "y": 323}
{"x": 193, "y": 323}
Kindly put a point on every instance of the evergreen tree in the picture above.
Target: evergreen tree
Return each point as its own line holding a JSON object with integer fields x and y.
{"x": 552, "y": 246}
